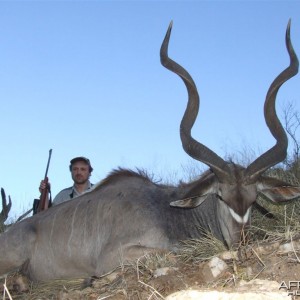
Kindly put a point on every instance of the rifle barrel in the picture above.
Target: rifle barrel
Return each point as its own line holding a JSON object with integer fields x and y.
{"x": 50, "y": 153}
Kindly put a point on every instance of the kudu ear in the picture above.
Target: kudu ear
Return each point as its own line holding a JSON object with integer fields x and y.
{"x": 203, "y": 190}
{"x": 190, "y": 202}
{"x": 277, "y": 190}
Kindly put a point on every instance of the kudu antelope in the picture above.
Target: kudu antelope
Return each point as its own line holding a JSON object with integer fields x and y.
{"x": 127, "y": 214}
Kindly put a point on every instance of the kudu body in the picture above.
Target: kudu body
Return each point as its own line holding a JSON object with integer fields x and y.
{"x": 127, "y": 214}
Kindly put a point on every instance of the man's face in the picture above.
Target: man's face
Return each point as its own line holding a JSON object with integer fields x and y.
{"x": 80, "y": 172}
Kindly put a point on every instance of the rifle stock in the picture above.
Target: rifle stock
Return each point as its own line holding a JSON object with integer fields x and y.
{"x": 44, "y": 198}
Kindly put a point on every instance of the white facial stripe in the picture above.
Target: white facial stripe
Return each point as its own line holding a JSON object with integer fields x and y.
{"x": 238, "y": 218}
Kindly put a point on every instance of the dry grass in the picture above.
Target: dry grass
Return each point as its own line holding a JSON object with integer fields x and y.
{"x": 199, "y": 250}
{"x": 286, "y": 222}
{"x": 284, "y": 226}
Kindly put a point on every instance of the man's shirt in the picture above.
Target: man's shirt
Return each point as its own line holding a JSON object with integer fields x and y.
{"x": 68, "y": 194}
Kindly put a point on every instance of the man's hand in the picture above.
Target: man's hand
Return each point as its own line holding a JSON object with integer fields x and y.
{"x": 44, "y": 185}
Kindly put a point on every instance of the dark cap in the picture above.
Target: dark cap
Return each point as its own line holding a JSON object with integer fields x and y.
{"x": 81, "y": 158}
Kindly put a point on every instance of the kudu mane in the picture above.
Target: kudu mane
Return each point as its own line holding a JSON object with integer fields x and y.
{"x": 118, "y": 174}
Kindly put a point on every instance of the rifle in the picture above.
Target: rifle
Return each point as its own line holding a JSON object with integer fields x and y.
{"x": 43, "y": 202}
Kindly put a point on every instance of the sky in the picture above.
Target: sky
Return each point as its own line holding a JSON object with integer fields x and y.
{"x": 84, "y": 78}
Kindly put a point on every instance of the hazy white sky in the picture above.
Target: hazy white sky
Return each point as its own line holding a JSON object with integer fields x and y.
{"x": 84, "y": 78}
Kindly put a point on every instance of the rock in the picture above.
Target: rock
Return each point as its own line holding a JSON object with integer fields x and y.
{"x": 266, "y": 248}
{"x": 213, "y": 269}
{"x": 229, "y": 255}
{"x": 251, "y": 290}
{"x": 215, "y": 295}
{"x": 258, "y": 285}
{"x": 289, "y": 247}
{"x": 162, "y": 271}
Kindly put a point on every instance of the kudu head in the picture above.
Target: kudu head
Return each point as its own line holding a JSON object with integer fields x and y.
{"x": 236, "y": 187}
{"x": 5, "y": 208}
